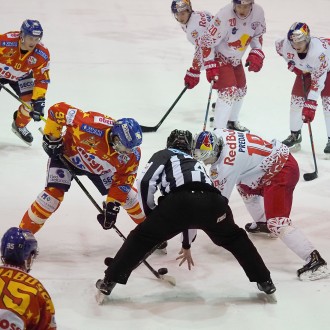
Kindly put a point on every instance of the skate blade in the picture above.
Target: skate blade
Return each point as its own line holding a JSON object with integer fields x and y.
{"x": 100, "y": 297}
{"x": 320, "y": 273}
{"x": 327, "y": 156}
{"x": 161, "y": 251}
{"x": 295, "y": 148}
{"x": 262, "y": 234}
{"x": 268, "y": 298}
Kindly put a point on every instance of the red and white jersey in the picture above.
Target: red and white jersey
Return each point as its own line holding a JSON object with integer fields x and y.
{"x": 316, "y": 62}
{"x": 228, "y": 35}
{"x": 24, "y": 302}
{"x": 196, "y": 26}
{"x": 87, "y": 147}
{"x": 246, "y": 159}
{"x": 15, "y": 65}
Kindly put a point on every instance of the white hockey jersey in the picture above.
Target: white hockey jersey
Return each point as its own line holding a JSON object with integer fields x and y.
{"x": 246, "y": 159}
{"x": 316, "y": 62}
{"x": 228, "y": 35}
{"x": 195, "y": 28}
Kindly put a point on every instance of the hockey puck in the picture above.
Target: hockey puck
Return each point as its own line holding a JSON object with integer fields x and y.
{"x": 162, "y": 271}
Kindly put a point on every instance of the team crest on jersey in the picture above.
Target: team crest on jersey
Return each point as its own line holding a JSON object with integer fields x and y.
{"x": 194, "y": 34}
{"x": 11, "y": 53}
{"x": 213, "y": 174}
{"x": 123, "y": 158}
{"x": 91, "y": 142}
{"x": 322, "y": 57}
{"x": 254, "y": 25}
{"x": 32, "y": 60}
{"x": 217, "y": 22}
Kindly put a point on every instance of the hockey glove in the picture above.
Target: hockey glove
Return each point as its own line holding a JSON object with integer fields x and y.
{"x": 38, "y": 107}
{"x": 292, "y": 68}
{"x": 308, "y": 112}
{"x": 255, "y": 60}
{"x": 212, "y": 70}
{"x": 108, "y": 218}
{"x": 53, "y": 148}
{"x": 192, "y": 78}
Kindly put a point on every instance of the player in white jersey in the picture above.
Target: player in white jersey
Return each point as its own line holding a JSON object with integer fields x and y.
{"x": 193, "y": 23}
{"x": 233, "y": 29}
{"x": 265, "y": 174}
{"x": 309, "y": 58}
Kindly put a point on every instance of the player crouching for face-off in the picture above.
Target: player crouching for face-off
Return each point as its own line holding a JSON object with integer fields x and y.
{"x": 309, "y": 58}
{"x": 24, "y": 65}
{"x": 104, "y": 149}
{"x": 24, "y": 302}
{"x": 265, "y": 174}
{"x": 188, "y": 201}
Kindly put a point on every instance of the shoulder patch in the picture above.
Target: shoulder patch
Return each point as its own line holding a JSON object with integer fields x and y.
{"x": 41, "y": 53}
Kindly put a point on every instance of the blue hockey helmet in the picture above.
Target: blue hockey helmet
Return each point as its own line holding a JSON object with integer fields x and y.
{"x": 206, "y": 145}
{"x": 178, "y": 6}
{"x": 128, "y": 131}
{"x": 17, "y": 245}
{"x": 32, "y": 28}
{"x": 299, "y": 32}
{"x": 181, "y": 140}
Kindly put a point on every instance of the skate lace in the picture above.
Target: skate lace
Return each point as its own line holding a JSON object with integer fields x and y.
{"x": 23, "y": 130}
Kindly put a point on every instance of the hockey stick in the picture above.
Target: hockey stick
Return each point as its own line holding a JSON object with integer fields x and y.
{"x": 313, "y": 175}
{"x": 208, "y": 105}
{"x": 19, "y": 99}
{"x": 160, "y": 274}
{"x": 147, "y": 129}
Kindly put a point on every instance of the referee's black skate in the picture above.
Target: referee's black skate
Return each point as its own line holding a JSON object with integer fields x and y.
{"x": 267, "y": 286}
{"x": 257, "y": 227}
{"x": 105, "y": 287}
{"x": 315, "y": 269}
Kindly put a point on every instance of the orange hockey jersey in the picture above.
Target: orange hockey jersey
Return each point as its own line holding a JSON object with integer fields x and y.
{"x": 87, "y": 147}
{"x": 15, "y": 65}
{"x": 24, "y": 302}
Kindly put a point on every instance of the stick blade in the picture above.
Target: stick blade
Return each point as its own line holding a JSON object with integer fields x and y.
{"x": 310, "y": 176}
{"x": 148, "y": 129}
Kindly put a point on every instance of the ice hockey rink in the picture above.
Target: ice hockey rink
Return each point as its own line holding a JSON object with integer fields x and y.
{"x": 128, "y": 59}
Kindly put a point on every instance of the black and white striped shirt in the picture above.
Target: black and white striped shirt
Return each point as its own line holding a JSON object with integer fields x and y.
{"x": 167, "y": 170}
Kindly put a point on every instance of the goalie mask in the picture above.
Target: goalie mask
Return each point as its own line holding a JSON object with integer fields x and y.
{"x": 206, "y": 145}
{"x": 19, "y": 248}
{"x": 181, "y": 140}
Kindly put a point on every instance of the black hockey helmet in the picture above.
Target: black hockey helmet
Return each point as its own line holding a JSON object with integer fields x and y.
{"x": 181, "y": 140}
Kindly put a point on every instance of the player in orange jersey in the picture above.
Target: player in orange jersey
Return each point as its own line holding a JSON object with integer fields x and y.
{"x": 24, "y": 65}
{"x": 24, "y": 302}
{"x": 102, "y": 148}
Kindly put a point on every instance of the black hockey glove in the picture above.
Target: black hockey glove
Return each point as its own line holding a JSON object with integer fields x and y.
{"x": 53, "y": 148}
{"x": 38, "y": 107}
{"x": 108, "y": 218}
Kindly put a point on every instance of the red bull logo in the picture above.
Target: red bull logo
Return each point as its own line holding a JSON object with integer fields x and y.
{"x": 206, "y": 143}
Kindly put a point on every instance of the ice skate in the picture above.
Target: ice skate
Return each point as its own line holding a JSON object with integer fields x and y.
{"x": 23, "y": 133}
{"x": 259, "y": 228}
{"x": 103, "y": 289}
{"x": 293, "y": 141}
{"x": 267, "y": 286}
{"x": 236, "y": 126}
{"x": 327, "y": 150}
{"x": 315, "y": 269}
{"x": 162, "y": 248}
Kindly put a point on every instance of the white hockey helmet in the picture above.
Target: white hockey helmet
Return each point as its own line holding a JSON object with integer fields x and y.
{"x": 299, "y": 32}
{"x": 178, "y": 6}
{"x": 206, "y": 145}
{"x": 243, "y": 2}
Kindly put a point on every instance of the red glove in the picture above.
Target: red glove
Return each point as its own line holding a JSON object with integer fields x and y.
{"x": 192, "y": 78}
{"x": 308, "y": 112}
{"x": 255, "y": 60}
{"x": 212, "y": 70}
{"x": 292, "y": 68}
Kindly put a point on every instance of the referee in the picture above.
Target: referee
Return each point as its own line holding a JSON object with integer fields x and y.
{"x": 188, "y": 201}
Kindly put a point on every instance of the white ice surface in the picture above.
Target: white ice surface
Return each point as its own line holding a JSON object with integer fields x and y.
{"x": 128, "y": 59}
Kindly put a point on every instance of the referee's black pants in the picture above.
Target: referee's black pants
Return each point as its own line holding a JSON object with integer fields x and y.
{"x": 187, "y": 209}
